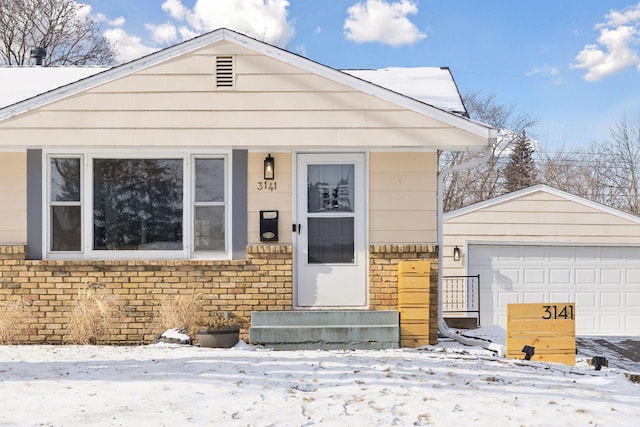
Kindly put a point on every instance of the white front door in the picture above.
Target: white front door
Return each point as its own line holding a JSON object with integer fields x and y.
{"x": 330, "y": 237}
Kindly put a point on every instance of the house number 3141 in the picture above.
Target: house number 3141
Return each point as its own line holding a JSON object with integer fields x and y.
{"x": 555, "y": 312}
{"x": 267, "y": 186}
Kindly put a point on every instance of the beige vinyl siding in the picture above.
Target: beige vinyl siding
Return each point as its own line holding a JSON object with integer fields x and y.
{"x": 13, "y": 193}
{"x": 539, "y": 217}
{"x": 271, "y": 104}
{"x": 280, "y": 199}
{"x": 402, "y": 197}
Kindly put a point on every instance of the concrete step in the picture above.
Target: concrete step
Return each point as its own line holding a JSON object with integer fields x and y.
{"x": 325, "y": 329}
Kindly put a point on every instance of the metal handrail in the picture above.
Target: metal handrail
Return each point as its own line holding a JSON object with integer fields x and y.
{"x": 461, "y": 294}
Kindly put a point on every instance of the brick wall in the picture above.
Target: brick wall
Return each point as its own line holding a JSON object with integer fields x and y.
{"x": 264, "y": 281}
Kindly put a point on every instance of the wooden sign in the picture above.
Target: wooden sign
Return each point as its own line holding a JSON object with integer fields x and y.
{"x": 543, "y": 332}
{"x": 414, "y": 297}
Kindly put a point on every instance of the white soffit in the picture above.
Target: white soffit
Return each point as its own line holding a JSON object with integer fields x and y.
{"x": 20, "y": 83}
{"x": 432, "y": 85}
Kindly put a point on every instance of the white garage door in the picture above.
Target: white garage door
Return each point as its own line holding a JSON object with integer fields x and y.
{"x": 603, "y": 282}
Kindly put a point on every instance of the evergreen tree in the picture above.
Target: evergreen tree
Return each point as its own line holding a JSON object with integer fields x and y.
{"x": 521, "y": 170}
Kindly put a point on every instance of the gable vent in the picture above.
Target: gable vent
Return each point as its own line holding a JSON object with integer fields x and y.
{"x": 224, "y": 72}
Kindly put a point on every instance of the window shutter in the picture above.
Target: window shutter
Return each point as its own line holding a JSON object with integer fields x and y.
{"x": 224, "y": 72}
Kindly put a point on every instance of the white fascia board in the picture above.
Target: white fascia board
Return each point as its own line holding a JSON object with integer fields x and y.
{"x": 541, "y": 188}
{"x": 473, "y": 127}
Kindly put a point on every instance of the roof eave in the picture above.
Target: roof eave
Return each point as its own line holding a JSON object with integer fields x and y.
{"x": 540, "y": 188}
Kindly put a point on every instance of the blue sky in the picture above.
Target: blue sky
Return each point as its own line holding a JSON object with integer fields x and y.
{"x": 574, "y": 65}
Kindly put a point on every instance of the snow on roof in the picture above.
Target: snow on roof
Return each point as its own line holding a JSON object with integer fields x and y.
{"x": 20, "y": 83}
{"x": 432, "y": 85}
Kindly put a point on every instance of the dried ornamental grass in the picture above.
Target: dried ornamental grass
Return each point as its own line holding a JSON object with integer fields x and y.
{"x": 94, "y": 316}
{"x": 220, "y": 321}
{"x": 180, "y": 311}
{"x": 15, "y": 318}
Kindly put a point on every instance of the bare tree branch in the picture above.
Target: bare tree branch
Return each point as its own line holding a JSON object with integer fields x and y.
{"x": 69, "y": 35}
{"x": 607, "y": 172}
{"x": 486, "y": 181}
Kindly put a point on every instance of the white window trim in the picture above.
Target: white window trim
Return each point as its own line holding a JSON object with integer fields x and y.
{"x": 86, "y": 182}
{"x": 48, "y": 203}
{"x": 227, "y": 212}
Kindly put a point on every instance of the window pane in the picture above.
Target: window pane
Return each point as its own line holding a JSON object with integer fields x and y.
{"x": 209, "y": 180}
{"x": 331, "y": 241}
{"x": 65, "y": 180}
{"x": 137, "y": 204}
{"x": 65, "y": 228}
{"x": 330, "y": 188}
{"x": 209, "y": 228}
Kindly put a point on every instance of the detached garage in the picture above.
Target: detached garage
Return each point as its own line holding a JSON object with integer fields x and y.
{"x": 545, "y": 245}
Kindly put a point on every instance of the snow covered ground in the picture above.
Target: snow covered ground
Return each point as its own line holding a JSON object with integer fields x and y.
{"x": 173, "y": 385}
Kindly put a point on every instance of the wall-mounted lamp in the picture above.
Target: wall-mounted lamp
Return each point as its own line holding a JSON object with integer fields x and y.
{"x": 269, "y": 167}
{"x": 456, "y": 254}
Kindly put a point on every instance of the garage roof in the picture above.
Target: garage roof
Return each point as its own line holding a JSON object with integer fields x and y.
{"x": 537, "y": 189}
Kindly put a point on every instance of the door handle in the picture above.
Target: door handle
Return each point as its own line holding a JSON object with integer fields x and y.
{"x": 297, "y": 228}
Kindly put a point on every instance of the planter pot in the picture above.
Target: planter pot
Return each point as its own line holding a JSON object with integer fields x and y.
{"x": 225, "y": 338}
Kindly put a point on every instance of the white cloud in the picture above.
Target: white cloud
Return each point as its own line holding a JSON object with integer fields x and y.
{"x": 613, "y": 54}
{"x": 301, "y": 50}
{"x": 101, "y": 17}
{"x": 614, "y": 51}
{"x": 164, "y": 33}
{"x": 127, "y": 47}
{"x": 616, "y": 17}
{"x": 265, "y": 20}
{"x": 83, "y": 10}
{"x": 187, "y": 33}
{"x": 118, "y": 22}
{"x": 175, "y": 9}
{"x": 550, "y": 73}
{"x": 383, "y": 22}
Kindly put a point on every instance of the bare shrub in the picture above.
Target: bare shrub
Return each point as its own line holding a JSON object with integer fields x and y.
{"x": 94, "y": 316}
{"x": 180, "y": 311}
{"x": 15, "y": 318}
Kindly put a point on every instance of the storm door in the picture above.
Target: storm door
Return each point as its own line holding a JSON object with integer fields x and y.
{"x": 330, "y": 231}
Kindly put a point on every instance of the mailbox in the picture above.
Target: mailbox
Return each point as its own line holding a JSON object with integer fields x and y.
{"x": 268, "y": 226}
